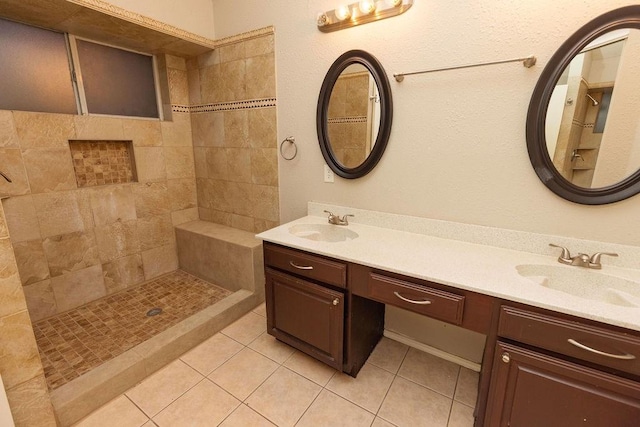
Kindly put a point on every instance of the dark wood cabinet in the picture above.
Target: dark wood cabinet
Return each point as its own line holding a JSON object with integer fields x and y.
{"x": 529, "y": 388}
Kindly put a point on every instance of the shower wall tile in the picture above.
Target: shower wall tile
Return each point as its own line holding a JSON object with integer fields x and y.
{"x": 178, "y": 86}
{"x": 30, "y": 403}
{"x": 117, "y": 240}
{"x": 12, "y": 165}
{"x": 241, "y": 195}
{"x": 40, "y": 300}
{"x": 182, "y": 194}
{"x": 151, "y": 198}
{"x": 207, "y": 59}
{"x": 155, "y": 231}
{"x": 112, "y": 203}
{"x": 177, "y": 132}
{"x": 236, "y": 128}
{"x": 193, "y": 78}
{"x": 176, "y": 62}
{"x": 259, "y": 46}
{"x": 11, "y": 294}
{"x": 264, "y": 166}
{"x": 217, "y": 165}
{"x": 200, "y": 161}
{"x": 49, "y": 169}
{"x": 99, "y": 128}
{"x": 62, "y": 212}
{"x": 123, "y": 273}
{"x": 232, "y": 52}
{"x": 211, "y": 84}
{"x": 43, "y": 130}
{"x": 143, "y": 133}
{"x": 8, "y": 134}
{"x": 79, "y": 287}
{"x": 185, "y": 215}
{"x": 242, "y": 222}
{"x": 262, "y": 128}
{"x": 260, "y": 77}
{"x": 71, "y": 252}
{"x": 233, "y": 86}
{"x": 22, "y": 221}
{"x": 159, "y": 261}
{"x": 180, "y": 163}
{"x": 150, "y": 163}
{"x": 239, "y": 164}
{"x": 19, "y": 358}
{"x": 208, "y": 129}
{"x": 261, "y": 225}
{"x": 4, "y": 231}
{"x": 32, "y": 261}
{"x": 265, "y": 201}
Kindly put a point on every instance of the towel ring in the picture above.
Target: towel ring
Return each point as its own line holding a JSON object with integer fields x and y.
{"x": 291, "y": 140}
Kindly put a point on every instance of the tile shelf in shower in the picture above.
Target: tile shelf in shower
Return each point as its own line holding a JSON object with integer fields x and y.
{"x": 102, "y": 162}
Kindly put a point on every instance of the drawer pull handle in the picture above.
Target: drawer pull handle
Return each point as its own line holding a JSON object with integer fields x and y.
{"x": 412, "y": 301}
{"x": 601, "y": 353}
{"x": 301, "y": 267}
{"x": 336, "y": 301}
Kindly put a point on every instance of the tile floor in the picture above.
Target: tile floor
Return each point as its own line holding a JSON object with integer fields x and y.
{"x": 244, "y": 377}
{"x": 74, "y": 342}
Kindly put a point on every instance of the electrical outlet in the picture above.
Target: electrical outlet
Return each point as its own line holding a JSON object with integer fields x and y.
{"x": 328, "y": 174}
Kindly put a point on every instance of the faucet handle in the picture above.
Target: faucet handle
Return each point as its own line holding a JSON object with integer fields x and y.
{"x": 565, "y": 255}
{"x": 330, "y": 213}
{"x": 594, "y": 262}
{"x": 345, "y": 220}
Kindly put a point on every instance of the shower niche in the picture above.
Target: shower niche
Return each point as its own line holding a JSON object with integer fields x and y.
{"x": 103, "y": 162}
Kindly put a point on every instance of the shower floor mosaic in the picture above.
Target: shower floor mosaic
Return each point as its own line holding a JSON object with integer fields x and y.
{"x": 78, "y": 340}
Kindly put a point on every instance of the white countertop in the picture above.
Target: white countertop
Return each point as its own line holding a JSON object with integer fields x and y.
{"x": 474, "y": 267}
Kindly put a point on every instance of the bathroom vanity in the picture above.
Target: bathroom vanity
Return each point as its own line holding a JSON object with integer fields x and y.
{"x": 548, "y": 360}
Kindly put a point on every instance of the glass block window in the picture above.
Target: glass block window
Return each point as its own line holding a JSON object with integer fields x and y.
{"x": 103, "y": 162}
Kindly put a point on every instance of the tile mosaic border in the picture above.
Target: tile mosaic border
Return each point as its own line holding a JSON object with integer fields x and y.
{"x": 355, "y": 119}
{"x": 225, "y": 106}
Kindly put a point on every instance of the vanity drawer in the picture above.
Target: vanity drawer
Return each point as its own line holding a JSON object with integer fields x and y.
{"x": 306, "y": 265}
{"x": 418, "y": 298}
{"x": 604, "y": 347}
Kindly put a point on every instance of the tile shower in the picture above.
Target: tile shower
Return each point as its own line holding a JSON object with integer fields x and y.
{"x": 76, "y": 243}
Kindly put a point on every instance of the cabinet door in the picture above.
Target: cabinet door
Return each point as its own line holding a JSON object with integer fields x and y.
{"x": 306, "y": 316}
{"x": 533, "y": 389}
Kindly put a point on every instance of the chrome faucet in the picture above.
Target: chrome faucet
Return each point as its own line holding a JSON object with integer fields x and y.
{"x": 581, "y": 260}
{"x": 336, "y": 220}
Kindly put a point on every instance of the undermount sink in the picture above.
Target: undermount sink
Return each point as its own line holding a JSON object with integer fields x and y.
{"x": 323, "y": 232}
{"x": 584, "y": 283}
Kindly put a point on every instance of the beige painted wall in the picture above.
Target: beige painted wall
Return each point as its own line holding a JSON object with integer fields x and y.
{"x": 457, "y": 149}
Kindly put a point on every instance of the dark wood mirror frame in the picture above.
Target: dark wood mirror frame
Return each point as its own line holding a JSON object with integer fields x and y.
{"x": 386, "y": 112}
{"x": 626, "y": 17}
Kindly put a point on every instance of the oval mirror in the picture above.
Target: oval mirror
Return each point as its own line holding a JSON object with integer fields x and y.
{"x": 354, "y": 114}
{"x": 583, "y": 124}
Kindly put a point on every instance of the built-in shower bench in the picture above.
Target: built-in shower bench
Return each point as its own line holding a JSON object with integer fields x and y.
{"x": 226, "y": 256}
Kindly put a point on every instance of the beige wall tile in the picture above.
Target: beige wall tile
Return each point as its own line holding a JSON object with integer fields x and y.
{"x": 30, "y": 404}
{"x": 12, "y": 165}
{"x": 216, "y": 216}
{"x": 150, "y": 163}
{"x": 264, "y": 166}
{"x": 99, "y": 128}
{"x": 44, "y": 130}
{"x": 112, "y": 203}
{"x": 236, "y": 128}
{"x": 239, "y": 163}
{"x": 216, "y": 163}
{"x": 159, "y": 261}
{"x": 122, "y": 273}
{"x": 241, "y": 195}
{"x": 203, "y": 189}
{"x": 261, "y": 225}
{"x": 211, "y": 84}
{"x": 71, "y": 252}
{"x": 193, "y": 78}
{"x": 179, "y": 161}
{"x": 155, "y": 231}
{"x": 263, "y": 127}
{"x": 32, "y": 261}
{"x": 177, "y": 132}
{"x": 185, "y": 215}
{"x": 176, "y": 62}
{"x": 49, "y": 169}
{"x": 231, "y": 52}
{"x": 117, "y": 240}
{"x": 143, "y": 133}
{"x": 60, "y": 212}
{"x": 11, "y": 294}
{"x": 151, "y": 198}
{"x": 79, "y": 287}
{"x": 208, "y": 129}
{"x": 260, "y": 77}
{"x": 182, "y": 193}
{"x": 208, "y": 59}
{"x": 233, "y": 84}
{"x": 8, "y": 134}
{"x": 19, "y": 358}
{"x": 266, "y": 202}
{"x": 178, "y": 86}
{"x": 4, "y": 230}
{"x": 22, "y": 221}
{"x": 242, "y": 222}
{"x": 200, "y": 161}
{"x": 40, "y": 300}
{"x": 259, "y": 46}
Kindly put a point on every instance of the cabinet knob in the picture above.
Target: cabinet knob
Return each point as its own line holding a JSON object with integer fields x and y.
{"x": 336, "y": 301}
{"x": 505, "y": 357}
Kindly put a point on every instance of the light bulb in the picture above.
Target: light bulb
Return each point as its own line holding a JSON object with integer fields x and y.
{"x": 394, "y": 3}
{"x": 367, "y": 6}
{"x": 343, "y": 12}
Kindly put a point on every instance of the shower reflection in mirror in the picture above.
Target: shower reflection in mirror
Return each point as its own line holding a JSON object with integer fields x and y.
{"x": 598, "y": 90}
{"x": 353, "y": 115}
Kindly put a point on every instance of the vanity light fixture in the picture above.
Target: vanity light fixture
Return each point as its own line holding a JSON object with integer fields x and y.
{"x": 364, "y": 11}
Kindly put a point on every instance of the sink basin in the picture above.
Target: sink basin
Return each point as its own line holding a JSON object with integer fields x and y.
{"x": 584, "y": 283}
{"x": 323, "y": 232}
